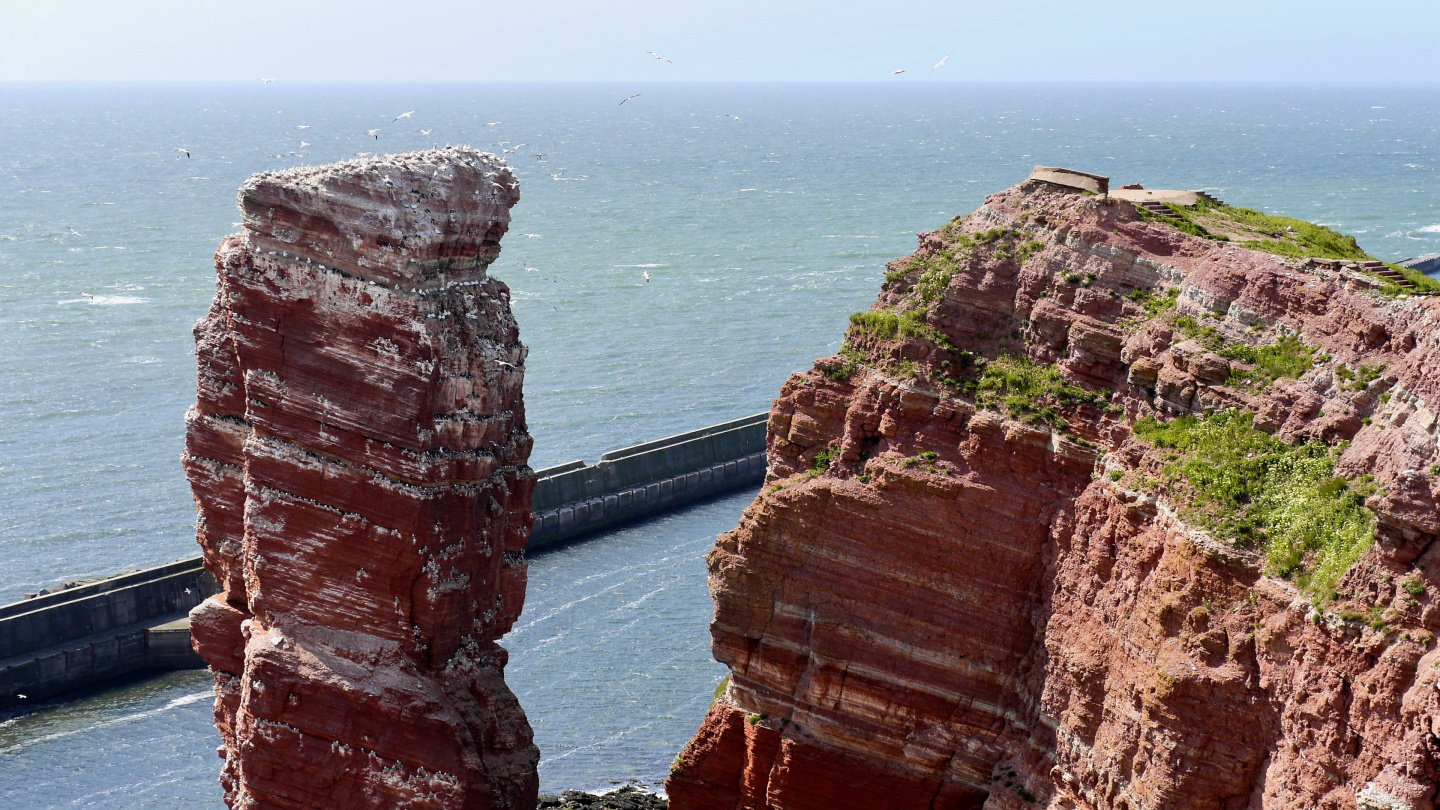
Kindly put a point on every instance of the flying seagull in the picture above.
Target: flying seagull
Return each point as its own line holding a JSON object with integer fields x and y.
{"x": 941, "y": 63}
{"x": 303, "y": 126}
{"x": 658, "y": 56}
{"x": 736, "y": 117}
{"x": 897, "y": 72}
{"x": 494, "y": 123}
{"x": 402, "y": 115}
{"x": 267, "y": 81}
{"x": 540, "y": 156}
{"x": 374, "y": 133}
{"x": 304, "y": 144}
{"x": 646, "y": 274}
{"x": 182, "y": 149}
{"x": 627, "y": 98}
{"x": 426, "y": 131}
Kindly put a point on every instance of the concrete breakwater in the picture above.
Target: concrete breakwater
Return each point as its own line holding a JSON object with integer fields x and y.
{"x": 575, "y": 499}
{"x": 78, "y": 637}
{"x": 81, "y": 636}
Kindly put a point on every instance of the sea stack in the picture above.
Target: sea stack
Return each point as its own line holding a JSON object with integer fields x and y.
{"x": 1097, "y": 507}
{"x": 358, "y": 454}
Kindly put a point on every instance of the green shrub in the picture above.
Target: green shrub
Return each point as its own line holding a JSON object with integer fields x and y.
{"x": 1155, "y": 304}
{"x": 1250, "y": 487}
{"x": 888, "y": 325}
{"x": 1286, "y": 358}
{"x": 823, "y": 459}
{"x": 851, "y": 361}
{"x": 1030, "y": 392}
{"x": 1208, "y": 336}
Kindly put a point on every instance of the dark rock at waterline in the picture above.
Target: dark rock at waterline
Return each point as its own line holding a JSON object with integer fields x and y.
{"x": 626, "y": 798}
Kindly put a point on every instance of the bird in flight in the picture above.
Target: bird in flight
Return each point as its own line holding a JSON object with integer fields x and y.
{"x": 897, "y": 72}
{"x": 184, "y": 150}
{"x": 540, "y": 156}
{"x": 531, "y": 236}
{"x": 426, "y": 131}
{"x": 627, "y": 98}
{"x": 303, "y": 126}
{"x": 494, "y": 123}
{"x": 303, "y": 144}
{"x": 514, "y": 148}
{"x": 646, "y": 274}
{"x": 374, "y": 133}
{"x": 658, "y": 56}
{"x": 267, "y": 81}
{"x": 75, "y": 232}
{"x": 941, "y": 63}
{"x": 736, "y": 117}
{"x": 402, "y": 115}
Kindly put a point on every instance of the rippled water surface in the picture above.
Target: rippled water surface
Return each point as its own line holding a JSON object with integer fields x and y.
{"x": 611, "y": 661}
{"x": 760, "y": 236}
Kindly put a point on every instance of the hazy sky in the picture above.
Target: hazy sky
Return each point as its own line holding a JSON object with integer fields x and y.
{"x": 585, "y": 40}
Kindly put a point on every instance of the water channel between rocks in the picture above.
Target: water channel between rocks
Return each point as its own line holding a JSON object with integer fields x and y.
{"x": 611, "y": 660}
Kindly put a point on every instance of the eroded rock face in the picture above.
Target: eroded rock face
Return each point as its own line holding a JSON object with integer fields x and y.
{"x": 939, "y": 605}
{"x": 358, "y": 456}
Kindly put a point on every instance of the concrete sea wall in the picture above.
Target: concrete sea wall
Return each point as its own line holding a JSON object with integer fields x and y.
{"x": 575, "y": 499}
{"x": 77, "y": 637}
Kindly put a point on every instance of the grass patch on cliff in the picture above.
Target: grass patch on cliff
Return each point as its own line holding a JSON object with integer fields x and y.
{"x": 1282, "y": 236}
{"x": 888, "y": 325}
{"x": 1249, "y": 487}
{"x": 937, "y": 268}
{"x": 1028, "y": 391}
{"x": 1421, "y": 281}
{"x": 1287, "y": 358}
{"x": 850, "y": 361}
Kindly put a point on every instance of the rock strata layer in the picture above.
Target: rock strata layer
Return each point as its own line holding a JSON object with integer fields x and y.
{"x": 358, "y": 454}
{"x": 967, "y": 589}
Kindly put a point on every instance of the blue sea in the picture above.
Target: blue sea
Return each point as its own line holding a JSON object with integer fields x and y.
{"x": 763, "y": 214}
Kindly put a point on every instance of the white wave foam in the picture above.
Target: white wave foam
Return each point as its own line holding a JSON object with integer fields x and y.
{"x": 642, "y": 265}
{"x": 183, "y": 700}
{"x": 1430, "y": 228}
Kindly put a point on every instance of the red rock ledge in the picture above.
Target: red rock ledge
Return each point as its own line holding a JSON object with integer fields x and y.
{"x": 938, "y": 604}
{"x": 358, "y": 456}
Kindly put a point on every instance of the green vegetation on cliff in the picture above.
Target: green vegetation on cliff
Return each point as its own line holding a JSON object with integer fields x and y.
{"x": 1288, "y": 358}
{"x": 1283, "y": 236}
{"x": 1028, "y": 391}
{"x": 1248, "y": 486}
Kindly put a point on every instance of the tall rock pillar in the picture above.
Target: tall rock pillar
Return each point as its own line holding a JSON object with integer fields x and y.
{"x": 358, "y": 453}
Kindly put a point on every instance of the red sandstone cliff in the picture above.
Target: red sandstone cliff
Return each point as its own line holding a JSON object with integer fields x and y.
{"x": 970, "y": 580}
{"x": 358, "y": 456}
